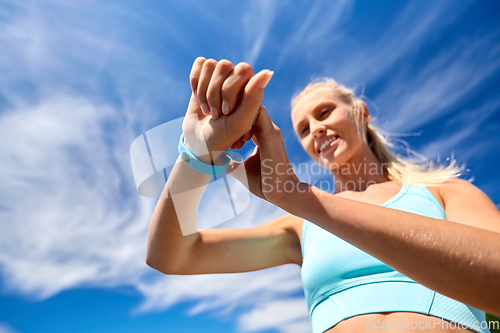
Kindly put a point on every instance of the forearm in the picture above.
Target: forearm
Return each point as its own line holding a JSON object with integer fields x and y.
{"x": 173, "y": 230}
{"x": 456, "y": 260}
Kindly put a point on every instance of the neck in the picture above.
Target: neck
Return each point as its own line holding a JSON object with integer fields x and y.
{"x": 359, "y": 172}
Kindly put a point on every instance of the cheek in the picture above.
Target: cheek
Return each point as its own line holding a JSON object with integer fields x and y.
{"x": 305, "y": 145}
{"x": 308, "y": 146}
{"x": 350, "y": 123}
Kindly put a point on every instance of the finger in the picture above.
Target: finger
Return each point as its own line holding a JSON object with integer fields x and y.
{"x": 248, "y": 135}
{"x": 238, "y": 144}
{"x": 244, "y": 116}
{"x": 241, "y": 143}
{"x": 255, "y": 141}
{"x": 264, "y": 127}
{"x": 235, "y": 84}
{"x": 214, "y": 96}
{"x": 267, "y": 134}
{"x": 253, "y": 161}
{"x": 205, "y": 76}
{"x": 270, "y": 137}
{"x": 194, "y": 107}
{"x": 252, "y": 166}
{"x": 194, "y": 76}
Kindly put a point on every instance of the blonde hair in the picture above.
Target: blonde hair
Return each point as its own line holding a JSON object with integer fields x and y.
{"x": 396, "y": 168}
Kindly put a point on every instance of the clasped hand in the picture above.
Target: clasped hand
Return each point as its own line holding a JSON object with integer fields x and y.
{"x": 226, "y": 100}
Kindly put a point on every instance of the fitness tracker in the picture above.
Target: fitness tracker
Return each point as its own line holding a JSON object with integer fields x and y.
{"x": 194, "y": 162}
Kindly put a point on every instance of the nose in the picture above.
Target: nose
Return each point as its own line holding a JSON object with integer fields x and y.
{"x": 317, "y": 128}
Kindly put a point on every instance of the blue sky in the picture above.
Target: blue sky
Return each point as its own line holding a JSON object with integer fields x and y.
{"x": 80, "y": 80}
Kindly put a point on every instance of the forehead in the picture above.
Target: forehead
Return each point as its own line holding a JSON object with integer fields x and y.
{"x": 310, "y": 101}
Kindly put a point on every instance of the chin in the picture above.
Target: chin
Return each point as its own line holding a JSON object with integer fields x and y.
{"x": 330, "y": 163}
{"x": 333, "y": 160}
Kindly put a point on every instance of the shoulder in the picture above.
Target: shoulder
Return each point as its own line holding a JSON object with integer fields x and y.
{"x": 466, "y": 203}
{"x": 456, "y": 188}
{"x": 456, "y": 182}
{"x": 447, "y": 189}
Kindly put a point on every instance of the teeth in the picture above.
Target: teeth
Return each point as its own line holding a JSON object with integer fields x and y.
{"x": 327, "y": 142}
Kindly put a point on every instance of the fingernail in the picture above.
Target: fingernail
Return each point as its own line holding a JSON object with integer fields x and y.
{"x": 205, "y": 109}
{"x": 225, "y": 107}
{"x": 215, "y": 113}
{"x": 267, "y": 79}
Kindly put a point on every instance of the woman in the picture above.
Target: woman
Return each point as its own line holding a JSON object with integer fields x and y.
{"x": 352, "y": 247}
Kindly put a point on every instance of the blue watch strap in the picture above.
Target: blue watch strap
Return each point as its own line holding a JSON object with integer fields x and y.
{"x": 194, "y": 162}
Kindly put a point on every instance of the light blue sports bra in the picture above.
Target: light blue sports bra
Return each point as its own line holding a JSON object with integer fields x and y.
{"x": 341, "y": 281}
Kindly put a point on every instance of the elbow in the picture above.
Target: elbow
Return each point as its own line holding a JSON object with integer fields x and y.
{"x": 150, "y": 262}
{"x": 162, "y": 266}
{"x": 153, "y": 257}
{"x": 153, "y": 262}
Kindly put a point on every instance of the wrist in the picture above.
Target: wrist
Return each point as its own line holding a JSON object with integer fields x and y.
{"x": 213, "y": 165}
{"x": 183, "y": 179}
{"x": 204, "y": 155}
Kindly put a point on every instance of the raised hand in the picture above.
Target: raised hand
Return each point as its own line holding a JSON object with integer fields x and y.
{"x": 217, "y": 87}
{"x": 268, "y": 171}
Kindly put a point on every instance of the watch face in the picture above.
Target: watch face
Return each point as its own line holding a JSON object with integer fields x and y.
{"x": 155, "y": 154}
{"x": 185, "y": 157}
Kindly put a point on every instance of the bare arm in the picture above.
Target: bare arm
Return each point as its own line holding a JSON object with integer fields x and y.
{"x": 213, "y": 250}
{"x": 167, "y": 246}
{"x": 174, "y": 244}
{"x": 459, "y": 258}
{"x": 242, "y": 250}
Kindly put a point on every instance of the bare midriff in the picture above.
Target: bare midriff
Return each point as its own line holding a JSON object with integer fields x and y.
{"x": 397, "y": 322}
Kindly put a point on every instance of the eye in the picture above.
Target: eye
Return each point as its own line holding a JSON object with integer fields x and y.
{"x": 326, "y": 112}
{"x": 304, "y": 130}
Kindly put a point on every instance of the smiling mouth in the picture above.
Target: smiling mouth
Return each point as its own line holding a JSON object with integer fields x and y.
{"x": 327, "y": 144}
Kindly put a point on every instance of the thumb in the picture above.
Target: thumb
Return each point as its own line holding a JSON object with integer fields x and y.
{"x": 264, "y": 127}
{"x": 252, "y": 98}
{"x": 194, "y": 107}
{"x": 253, "y": 161}
{"x": 247, "y": 171}
{"x": 270, "y": 138}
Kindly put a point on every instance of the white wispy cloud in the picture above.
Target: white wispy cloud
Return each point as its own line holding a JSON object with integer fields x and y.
{"x": 221, "y": 292}
{"x": 4, "y": 328}
{"x": 66, "y": 211}
{"x": 407, "y": 101}
{"x": 448, "y": 78}
{"x": 78, "y": 229}
{"x": 470, "y": 122}
{"x": 257, "y": 30}
{"x": 411, "y": 99}
{"x": 68, "y": 206}
{"x": 317, "y": 29}
{"x": 288, "y": 315}
{"x": 409, "y": 30}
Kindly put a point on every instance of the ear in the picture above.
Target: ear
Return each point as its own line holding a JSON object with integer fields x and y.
{"x": 365, "y": 114}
